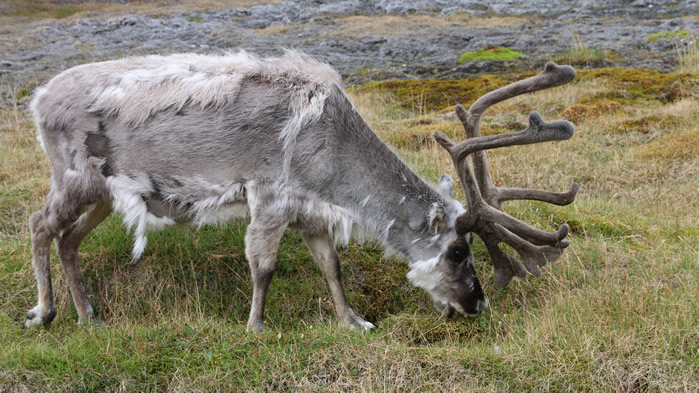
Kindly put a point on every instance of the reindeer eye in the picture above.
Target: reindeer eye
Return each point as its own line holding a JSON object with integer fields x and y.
{"x": 457, "y": 254}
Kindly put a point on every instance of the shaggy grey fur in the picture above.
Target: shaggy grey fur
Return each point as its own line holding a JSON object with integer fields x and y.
{"x": 204, "y": 139}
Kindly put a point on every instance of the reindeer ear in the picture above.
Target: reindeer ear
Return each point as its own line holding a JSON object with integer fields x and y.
{"x": 437, "y": 218}
{"x": 445, "y": 186}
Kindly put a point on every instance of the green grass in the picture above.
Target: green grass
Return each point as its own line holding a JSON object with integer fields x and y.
{"x": 581, "y": 56}
{"x": 39, "y": 10}
{"x": 491, "y": 53}
{"x": 668, "y": 35}
{"x": 617, "y": 312}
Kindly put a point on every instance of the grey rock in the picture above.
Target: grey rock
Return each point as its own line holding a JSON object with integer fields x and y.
{"x": 548, "y": 28}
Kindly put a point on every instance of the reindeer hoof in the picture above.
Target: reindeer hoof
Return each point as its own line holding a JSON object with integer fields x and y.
{"x": 37, "y": 317}
{"x": 256, "y": 327}
{"x": 91, "y": 320}
{"x": 353, "y": 321}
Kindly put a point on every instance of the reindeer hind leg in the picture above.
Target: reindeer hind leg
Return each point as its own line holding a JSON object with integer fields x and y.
{"x": 72, "y": 192}
{"x": 42, "y": 232}
{"x": 68, "y": 244}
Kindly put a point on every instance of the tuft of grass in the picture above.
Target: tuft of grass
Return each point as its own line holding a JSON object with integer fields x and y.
{"x": 22, "y": 92}
{"x": 687, "y": 56}
{"x": 686, "y": 44}
{"x": 582, "y": 57}
{"x": 491, "y": 53}
{"x": 580, "y": 54}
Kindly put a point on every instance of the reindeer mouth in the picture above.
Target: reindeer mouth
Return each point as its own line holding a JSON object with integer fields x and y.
{"x": 451, "y": 307}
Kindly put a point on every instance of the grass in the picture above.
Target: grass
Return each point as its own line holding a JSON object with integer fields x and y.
{"x": 581, "y": 55}
{"x": 491, "y": 53}
{"x": 622, "y": 89}
{"x": 668, "y": 35}
{"x": 361, "y": 26}
{"x": 686, "y": 44}
{"x": 42, "y": 9}
{"x": 687, "y": 56}
{"x": 617, "y": 313}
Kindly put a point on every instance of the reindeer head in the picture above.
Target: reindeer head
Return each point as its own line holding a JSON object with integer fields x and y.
{"x": 450, "y": 278}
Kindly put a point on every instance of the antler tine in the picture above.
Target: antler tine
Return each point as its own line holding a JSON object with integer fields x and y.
{"x": 484, "y": 215}
{"x": 473, "y": 193}
{"x": 556, "y": 198}
{"x": 505, "y": 266}
{"x": 538, "y": 131}
{"x": 532, "y": 255}
{"x": 552, "y": 76}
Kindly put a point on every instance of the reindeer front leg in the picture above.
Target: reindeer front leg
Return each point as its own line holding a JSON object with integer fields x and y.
{"x": 261, "y": 245}
{"x": 323, "y": 251}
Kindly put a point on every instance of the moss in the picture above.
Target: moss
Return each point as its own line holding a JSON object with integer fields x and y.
{"x": 374, "y": 283}
{"x": 194, "y": 19}
{"x": 434, "y": 95}
{"x": 23, "y": 92}
{"x": 647, "y": 124}
{"x": 491, "y": 53}
{"x": 625, "y": 87}
{"x": 684, "y": 145}
{"x": 615, "y": 95}
{"x": 668, "y": 35}
{"x": 638, "y": 85}
{"x": 582, "y": 112}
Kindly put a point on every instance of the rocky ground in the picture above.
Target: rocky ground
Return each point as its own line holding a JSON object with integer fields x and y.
{"x": 364, "y": 40}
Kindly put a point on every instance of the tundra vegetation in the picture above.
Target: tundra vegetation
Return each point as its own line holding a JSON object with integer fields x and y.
{"x": 617, "y": 312}
{"x": 491, "y": 53}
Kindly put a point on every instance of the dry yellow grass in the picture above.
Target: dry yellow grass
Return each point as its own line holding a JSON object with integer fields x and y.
{"x": 401, "y": 25}
{"x": 684, "y": 145}
{"x": 617, "y": 313}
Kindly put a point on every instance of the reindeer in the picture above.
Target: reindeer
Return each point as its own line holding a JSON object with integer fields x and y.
{"x": 205, "y": 139}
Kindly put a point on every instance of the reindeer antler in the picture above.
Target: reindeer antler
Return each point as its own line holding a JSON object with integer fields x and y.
{"x": 484, "y": 215}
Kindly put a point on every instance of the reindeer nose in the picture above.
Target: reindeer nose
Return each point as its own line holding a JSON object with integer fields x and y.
{"x": 482, "y": 305}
